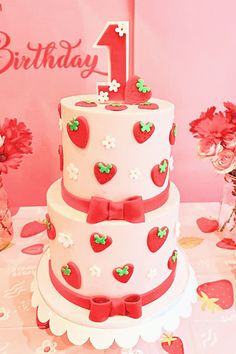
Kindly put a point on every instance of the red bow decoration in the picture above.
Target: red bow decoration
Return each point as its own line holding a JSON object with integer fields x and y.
{"x": 131, "y": 209}
{"x": 104, "y": 307}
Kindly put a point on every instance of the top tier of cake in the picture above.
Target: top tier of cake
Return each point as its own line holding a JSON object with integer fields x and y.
{"x": 116, "y": 151}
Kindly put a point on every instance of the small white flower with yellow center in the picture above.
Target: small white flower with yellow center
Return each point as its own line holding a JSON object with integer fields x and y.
{"x": 65, "y": 240}
{"x": 72, "y": 171}
{"x": 47, "y": 346}
{"x": 114, "y": 86}
{"x": 2, "y": 139}
{"x": 95, "y": 271}
{"x": 134, "y": 173}
{"x": 4, "y": 313}
{"x": 103, "y": 97}
{"x": 152, "y": 273}
{"x": 109, "y": 142}
{"x": 122, "y": 28}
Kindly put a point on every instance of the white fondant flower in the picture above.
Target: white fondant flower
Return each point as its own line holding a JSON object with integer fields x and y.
{"x": 114, "y": 86}
{"x": 60, "y": 124}
{"x": 103, "y": 97}
{"x": 4, "y": 313}
{"x": 109, "y": 142}
{"x": 2, "y": 139}
{"x": 152, "y": 273}
{"x": 122, "y": 28}
{"x": 65, "y": 240}
{"x": 95, "y": 271}
{"x": 47, "y": 346}
{"x": 72, "y": 171}
{"x": 171, "y": 163}
{"x": 177, "y": 229}
{"x": 134, "y": 173}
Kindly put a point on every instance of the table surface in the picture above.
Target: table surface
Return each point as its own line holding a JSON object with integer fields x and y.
{"x": 203, "y": 333}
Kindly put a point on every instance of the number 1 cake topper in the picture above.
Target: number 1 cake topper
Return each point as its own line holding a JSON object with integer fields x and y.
{"x": 115, "y": 37}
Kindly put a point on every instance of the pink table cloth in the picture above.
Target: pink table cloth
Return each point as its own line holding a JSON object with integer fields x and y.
{"x": 203, "y": 333}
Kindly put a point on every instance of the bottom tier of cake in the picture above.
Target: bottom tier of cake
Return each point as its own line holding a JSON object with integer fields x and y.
{"x": 162, "y": 315}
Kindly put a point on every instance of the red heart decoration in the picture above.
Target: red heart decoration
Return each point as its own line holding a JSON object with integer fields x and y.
{"x": 227, "y": 243}
{"x": 34, "y": 250}
{"x": 133, "y": 95}
{"x": 78, "y": 131}
{"x": 157, "y": 237}
{"x": 143, "y": 131}
{"x": 100, "y": 242}
{"x": 172, "y": 135}
{"x": 159, "y": 173}
{"x": 71, "y": 274}
{"x": 207, "y": 225}
{"x": 123, "y": 274}
{"x": 104, "y": 173}
{"x": 33, "y": 228}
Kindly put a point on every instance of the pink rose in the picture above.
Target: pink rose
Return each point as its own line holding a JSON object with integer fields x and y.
{"x": 229, "y": 141}
{"x": 225, "y": 161}
{"x": 208, "y": 148}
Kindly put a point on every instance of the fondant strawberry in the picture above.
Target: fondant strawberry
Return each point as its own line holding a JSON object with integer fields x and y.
{"x": 51, "y": 231}
{"x": 71, "y": 274}
{"x": 172, "y": 345}
{"x": 143, "y": 131}
{"x": 100, "y": 242}
{"x": 172, "y": 261}
{"x": 159, "y": 173}
{"x": 207, "y": 225}
{"x": 116, "y": 107}
{"x": 34, "y": 250}
{"x": 216, "y": 295}
{"x": 86, "y": 103}
{"x": 172, "y": 135}
{"x": 104, "y": 173}
{"x": 123, "y": 274}
{"x": 148, "y": 105}
{"x": 136, "y": 91}
{"x": 78, "y": 131}
{"x": 157, "y": 237}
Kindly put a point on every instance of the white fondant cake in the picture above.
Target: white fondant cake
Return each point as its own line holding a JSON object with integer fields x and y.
{"x": 113, "y": 220}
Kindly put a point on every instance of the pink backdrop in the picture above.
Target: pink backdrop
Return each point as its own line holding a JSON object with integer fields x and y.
{"x": 185, "y": 50}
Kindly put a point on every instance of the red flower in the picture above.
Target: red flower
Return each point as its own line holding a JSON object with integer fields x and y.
{"x": 15, "y": 142}
{"x": 230, "y": 112}
{"x": 212, "y": 126}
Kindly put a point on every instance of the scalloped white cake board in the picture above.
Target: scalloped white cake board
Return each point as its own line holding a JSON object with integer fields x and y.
{"x": 53, "y": 307}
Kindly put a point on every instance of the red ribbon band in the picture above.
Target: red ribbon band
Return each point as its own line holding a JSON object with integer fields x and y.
{"x": 99, "y": 209}
{"x": 103, "y": 307}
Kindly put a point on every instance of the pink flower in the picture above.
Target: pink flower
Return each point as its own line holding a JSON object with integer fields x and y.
{"x": 208, "y": 148}
{"x": 225, "y": 161}
{"x": 17, "y": 142}
{"x": 229, "y": 141}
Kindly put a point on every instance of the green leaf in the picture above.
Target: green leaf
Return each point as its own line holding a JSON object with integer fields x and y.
{"x": 100, "y": 240}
